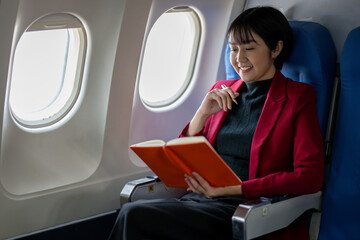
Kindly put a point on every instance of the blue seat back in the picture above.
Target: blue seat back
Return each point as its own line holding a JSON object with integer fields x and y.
{"x": 313, "y": 61}
{"x": 341, "y": 208}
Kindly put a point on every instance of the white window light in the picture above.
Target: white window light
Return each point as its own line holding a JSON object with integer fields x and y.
{"x": 47, "y": 70}
{"x": 169, "y": 57}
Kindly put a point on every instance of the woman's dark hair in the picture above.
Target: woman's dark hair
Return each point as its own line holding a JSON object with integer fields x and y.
{"x": 267, "y": 22}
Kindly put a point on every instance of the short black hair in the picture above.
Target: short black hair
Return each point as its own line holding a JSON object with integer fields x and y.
{"x": 267, "y": 22}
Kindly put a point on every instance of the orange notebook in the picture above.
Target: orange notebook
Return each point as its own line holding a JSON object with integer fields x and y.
{"x": 170, "y": 161}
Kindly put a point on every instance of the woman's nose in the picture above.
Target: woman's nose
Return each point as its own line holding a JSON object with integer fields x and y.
{"x": 240, "y": 56}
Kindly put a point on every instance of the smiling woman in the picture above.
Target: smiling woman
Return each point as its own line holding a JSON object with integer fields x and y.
{"x": 291, "y": 153}
{"x": 251, "y": 43}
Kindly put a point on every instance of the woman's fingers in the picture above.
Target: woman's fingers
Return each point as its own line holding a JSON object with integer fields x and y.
{"x": 194, "y": 185}
{"x": 205, "y": 185}
{"x": 199, "y": 185}
{"x": 222, "y": 97}
{"x": 217, "y": 100}
{"x": 232, "y": 94}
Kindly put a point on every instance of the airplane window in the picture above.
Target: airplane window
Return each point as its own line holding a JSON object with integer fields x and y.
{"x": 46, "y": 72}
{"x": 169, "y": 56}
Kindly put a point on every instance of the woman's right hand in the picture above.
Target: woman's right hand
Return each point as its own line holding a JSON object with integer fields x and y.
{"x": 217, "y": 100}
{"x": 214, "y": 101}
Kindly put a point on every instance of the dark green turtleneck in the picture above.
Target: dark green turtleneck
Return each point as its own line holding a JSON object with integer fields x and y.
{"x": 233, "y": 141}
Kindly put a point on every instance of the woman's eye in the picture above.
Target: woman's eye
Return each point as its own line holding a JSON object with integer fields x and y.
{"x": 250, "y": 48}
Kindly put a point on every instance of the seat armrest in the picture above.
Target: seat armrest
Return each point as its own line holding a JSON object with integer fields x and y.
{"x": 148, "y": 188}
{"x": 265, "y": 215}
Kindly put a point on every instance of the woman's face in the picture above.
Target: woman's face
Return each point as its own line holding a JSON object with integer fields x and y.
{"x": 253, "y": 60}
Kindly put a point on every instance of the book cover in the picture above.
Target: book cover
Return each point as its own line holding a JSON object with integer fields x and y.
{"x": 170, "y": 161}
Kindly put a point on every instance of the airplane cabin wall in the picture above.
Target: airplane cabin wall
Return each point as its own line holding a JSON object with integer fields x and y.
{"x": 39, "y": 184}
{"x": 62, "y": 173}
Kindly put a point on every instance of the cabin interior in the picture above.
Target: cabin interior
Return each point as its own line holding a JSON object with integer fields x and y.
{"x": 62, "y": 168}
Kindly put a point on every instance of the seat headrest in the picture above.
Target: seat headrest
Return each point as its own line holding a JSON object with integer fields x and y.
{"x": 350, "y": 58}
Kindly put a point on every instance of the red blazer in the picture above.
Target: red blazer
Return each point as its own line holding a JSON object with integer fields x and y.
{"x": 287, "y": 152}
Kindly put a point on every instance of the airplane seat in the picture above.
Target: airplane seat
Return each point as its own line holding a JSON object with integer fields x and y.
{"x": 340, "y": 214}
{"x": 313, "y": 61}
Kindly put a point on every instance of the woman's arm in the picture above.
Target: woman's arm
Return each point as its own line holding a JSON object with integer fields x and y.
{"x": 215, "y": 100}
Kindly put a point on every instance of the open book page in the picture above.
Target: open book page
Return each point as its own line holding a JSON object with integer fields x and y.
{"x": 184, "y": 140}
{"x": 159, "y": 142}
{"x": 151, "y": 143}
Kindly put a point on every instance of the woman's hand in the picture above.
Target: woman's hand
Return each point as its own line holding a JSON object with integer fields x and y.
{"x": 214, "y": 101}
{"x": 217, "y": 100}
{"x": 198, "y": 184}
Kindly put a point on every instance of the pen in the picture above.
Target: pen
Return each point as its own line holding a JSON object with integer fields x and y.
{"x": 223, "y": 86}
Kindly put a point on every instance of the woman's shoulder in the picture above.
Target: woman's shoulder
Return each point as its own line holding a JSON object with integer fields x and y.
{"x": 283, "y": 86}
{"x": 300, "y": 87}
{"x": 292, "y": 85}
{"x": 299, "y": 91}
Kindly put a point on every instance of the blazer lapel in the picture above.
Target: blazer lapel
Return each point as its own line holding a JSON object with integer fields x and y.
{"x": 273, "y": 107}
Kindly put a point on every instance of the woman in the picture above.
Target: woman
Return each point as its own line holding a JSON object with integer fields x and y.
{"x": 271, "y": 139}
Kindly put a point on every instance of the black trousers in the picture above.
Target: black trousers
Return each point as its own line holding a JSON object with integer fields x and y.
{"x": 191, "y": 217}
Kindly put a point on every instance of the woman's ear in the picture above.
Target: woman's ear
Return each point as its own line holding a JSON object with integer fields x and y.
{"x": 277, "y": 50}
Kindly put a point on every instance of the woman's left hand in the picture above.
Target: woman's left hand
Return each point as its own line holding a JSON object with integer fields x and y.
{"x": 198, "y": 184}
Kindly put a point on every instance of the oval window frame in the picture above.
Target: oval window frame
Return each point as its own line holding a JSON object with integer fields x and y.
{"x": 197, "y": 25}
{"x": 54, "y": 22}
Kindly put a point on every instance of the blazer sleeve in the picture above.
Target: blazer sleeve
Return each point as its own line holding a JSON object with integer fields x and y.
{"x": 305, "y": 176}
{"x": 183, "y": 132}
